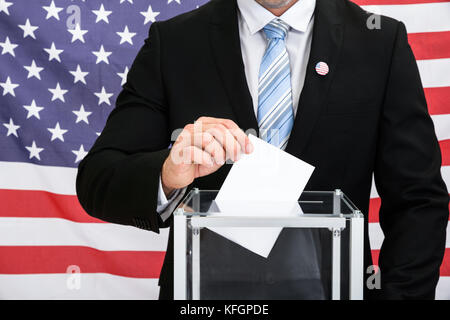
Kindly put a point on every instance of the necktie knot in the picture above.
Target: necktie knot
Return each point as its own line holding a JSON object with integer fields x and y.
{"x": 276, "y": 29}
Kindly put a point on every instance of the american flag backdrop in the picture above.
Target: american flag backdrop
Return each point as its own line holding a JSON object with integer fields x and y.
{"x": 62, "y": 64}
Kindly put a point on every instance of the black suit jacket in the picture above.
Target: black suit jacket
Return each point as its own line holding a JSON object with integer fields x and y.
{"x": 367, "y": 116}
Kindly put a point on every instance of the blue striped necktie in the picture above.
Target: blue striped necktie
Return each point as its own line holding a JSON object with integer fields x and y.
{"x": 275, "y": 110}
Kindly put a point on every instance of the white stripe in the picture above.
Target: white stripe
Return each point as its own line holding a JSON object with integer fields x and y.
{"x": 282, "y": 144}
{"x": 427, "y": 17}
{"x": 269, "y": 114}
{"x": 373, "y": 191}
{"x": 61, "y": 180}
{"x": 443, "y": 289}
{"x": 93, "y": 286}
{"x": 60, "y": 232}
{"x": 273, "y": 65}
{"x": 267, "y": 81}
{"x": 442, "y": 126}
{"x": 270, "y": 79}
{"x": 280, "y": 24}
{"x": 434, "y": 72}
{"x": 27, "y": 176}
{"x": 445, "y": 171}
{"x": 103, "y": 287}
{"x": 376, "y": 236}
{"x": 272, "y": 120}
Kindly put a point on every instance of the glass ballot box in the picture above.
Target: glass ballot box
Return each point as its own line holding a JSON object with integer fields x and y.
{"x": 310, "y": 249}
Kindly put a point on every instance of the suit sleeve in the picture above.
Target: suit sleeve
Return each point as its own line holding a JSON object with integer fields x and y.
{"x": 414, "y": 210}
{"x": 119, "y": 178}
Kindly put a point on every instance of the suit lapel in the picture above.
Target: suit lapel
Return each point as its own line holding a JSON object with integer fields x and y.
{"x": 326, "y": 45}
{"x": 226, "y": 49}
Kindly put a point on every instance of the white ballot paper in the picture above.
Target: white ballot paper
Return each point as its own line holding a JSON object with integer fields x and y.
{"x": 267, "y": 182}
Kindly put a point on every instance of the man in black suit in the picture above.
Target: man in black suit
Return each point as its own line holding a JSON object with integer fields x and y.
{"x": 365, "y": 115}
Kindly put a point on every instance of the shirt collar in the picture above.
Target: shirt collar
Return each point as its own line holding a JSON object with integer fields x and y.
{"x": 256, "y": 16}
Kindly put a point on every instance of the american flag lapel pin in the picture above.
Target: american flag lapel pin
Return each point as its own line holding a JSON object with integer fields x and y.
{"x": 322, "y": 68}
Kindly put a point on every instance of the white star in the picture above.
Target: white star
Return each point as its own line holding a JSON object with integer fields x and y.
{"x": 53, "y": 53}
{"x": 52, "y": 11}
{"x": 103, "y": 97}
{"x": 149, "y": 15}
{"x": 102, "y": 55}
{"x": 8, "y": 87}
{"x": 177, "y": 1}
{"x": 126, "y": 36}
{"x": 4, "y": 6}
{"x": 79, "y": 75}
{"x": 80, "y": 153}
{"x": 130, "y": 1}
{"x": 28, "y": 29}
{"x": 12, "y": 129}
{"x": 34, "y": 151}
{"x": 123, "y": 76}
{"x": 82, "y": 115}
{"x": 8, "y": 47}
{"x": 57, "y": 132}
{"x": 33, "y": 110}
{"x": 33, "y": 70}
{"x": 102, "y": 14}
{"x": 58, "y": 93}
{"x": 77, "y": 33}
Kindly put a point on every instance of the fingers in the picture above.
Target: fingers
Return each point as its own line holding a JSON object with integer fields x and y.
{"x": 220, "y": 138}
{"x": 242, "y": 139}
{"x": 226, "y": 139}
{"x": 209, "y": 144}
{"x": 185, "y": 137}
{"x": 195, "y": 155}
{"x": 239, "y": 135}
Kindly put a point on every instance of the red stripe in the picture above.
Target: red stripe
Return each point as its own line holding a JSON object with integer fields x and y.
{"x": 394, "y": 2}
{"x": 438, "y": 100}
{"x": 430, "y": 45}
{"x": 136, "y": 264}
{"x": 445, "y": 150}
{"x": 374, "y": 208}
{"x": 375, "y": 256}
{"x": 42, "y": 204}
{"x": 56, "y": 259}
{"x": 445, "y": 266}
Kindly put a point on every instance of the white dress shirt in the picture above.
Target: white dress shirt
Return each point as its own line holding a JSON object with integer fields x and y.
{"x": 252, "y": 17}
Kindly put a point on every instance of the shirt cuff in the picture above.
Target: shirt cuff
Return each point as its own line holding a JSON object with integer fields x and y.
{"x": 166, "y": 206}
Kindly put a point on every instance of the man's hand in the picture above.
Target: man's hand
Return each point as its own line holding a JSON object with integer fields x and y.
{"x": 201, "y": 149}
